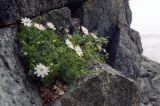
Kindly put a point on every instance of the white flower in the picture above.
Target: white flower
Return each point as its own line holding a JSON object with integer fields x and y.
{"x": 60, "y": 27}
{"x": 25, "y": 53}
{"x": 85, "y": 30}
{"x": 94, "y": 36}
{"x": 69, "y": 36}
{"x": 26, "y": 22}
{"x": 41, "y": 70}
{"x": 50, "y": 25}
{"x": 79, "y": 51}
{"x": 51, "y": 64}
{"x": 39, "y": 26}
{"x": 69, "y": 43}
{"x": 104, "y": 51}
{"x": 99, "y": 47}
{"x": 66, "y": 30}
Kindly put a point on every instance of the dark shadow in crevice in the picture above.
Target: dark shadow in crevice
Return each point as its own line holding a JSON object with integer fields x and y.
{"x": 112, "y": 45}
{"x": 76, "y": 9}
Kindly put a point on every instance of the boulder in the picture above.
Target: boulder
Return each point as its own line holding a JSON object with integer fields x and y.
{"x": 150, "y": 83}
{"x": 107, "y": 87}
{"x": 15, "y": 88}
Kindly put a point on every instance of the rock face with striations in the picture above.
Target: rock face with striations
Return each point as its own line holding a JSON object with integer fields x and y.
{"x": 150, "y": 83}
{"x": 110, "y": 18}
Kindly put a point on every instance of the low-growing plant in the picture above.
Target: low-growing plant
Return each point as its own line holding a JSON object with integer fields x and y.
{"x": 51, "y": 54}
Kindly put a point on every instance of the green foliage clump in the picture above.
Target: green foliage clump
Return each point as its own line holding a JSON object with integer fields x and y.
{"x": 48, "y": 46}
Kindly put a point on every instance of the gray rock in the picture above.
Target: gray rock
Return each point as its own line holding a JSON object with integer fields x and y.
{"x": 106, "y": 88}
{"x": 59, "y": 17}
{"x": 150, "y": 83}
{"x": 129, "y": 53}
{"x": 113, "y": 18}
{"x": 13, "y": 10}
{"x": 15, "y": 88}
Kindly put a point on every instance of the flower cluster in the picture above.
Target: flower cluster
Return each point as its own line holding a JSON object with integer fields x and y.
{"x": 28, "y": 22}
{"x": 77, "y": 48}
{"x": 39, "y": 26}
{"x": 50, "y": 25}
{"x": 50, "y": 53}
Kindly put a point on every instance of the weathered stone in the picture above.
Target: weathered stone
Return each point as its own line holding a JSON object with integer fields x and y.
{"x": 15, "y": 88}
{"x": 129, "y": 53}
{"x": 59, "y": 17}
{"x": 150, "y": 83}
{"x": 13, "y": 10}
{"x": 106, "y": 88}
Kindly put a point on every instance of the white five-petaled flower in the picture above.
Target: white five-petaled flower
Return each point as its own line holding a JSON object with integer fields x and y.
{"x": 39, "y": 26}
{"x": 94, "y": 36}
{"x": 41, "y": 70}
{"x": 79, "y": 51}
{"x": 69, "y": 43}
{"x": 50, "y": 25}
{"x": 26, "y": 22}
{"x": 85, "y": 30}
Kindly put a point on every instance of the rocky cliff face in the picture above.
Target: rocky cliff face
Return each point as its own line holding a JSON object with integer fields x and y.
{"x": 110, "y": 18}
